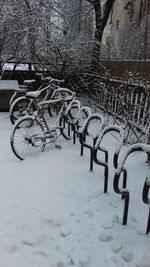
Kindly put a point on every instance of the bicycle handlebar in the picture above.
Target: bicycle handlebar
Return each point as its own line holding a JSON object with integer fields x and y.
{"x": 52, "y": 80}
{"x": 58, "y": 99}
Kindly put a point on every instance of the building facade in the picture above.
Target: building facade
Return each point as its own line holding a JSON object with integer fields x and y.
{"x": 129, "y": 20}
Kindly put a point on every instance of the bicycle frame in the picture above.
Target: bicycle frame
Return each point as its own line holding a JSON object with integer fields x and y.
{"x": 50, "y": 87}
{"x": 50, "y": 132}
{"x": 40, "y": 114}
{"x": 40, "y": 91}
{"x": 31, "y": 132}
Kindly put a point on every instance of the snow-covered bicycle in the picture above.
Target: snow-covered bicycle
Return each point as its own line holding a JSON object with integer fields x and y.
{"x": 23, "y": 105}
{"x": 31, "y": 133}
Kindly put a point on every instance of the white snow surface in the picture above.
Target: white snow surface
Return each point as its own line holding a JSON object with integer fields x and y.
{"x": 53, "y": 212}
{"x": 10, "y": 66}
{"x": 9, "y": 85}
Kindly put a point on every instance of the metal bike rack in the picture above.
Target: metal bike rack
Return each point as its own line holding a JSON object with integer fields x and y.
{"x": 97, "y": 147}
{"x": 77, "y": 128}
{"x": 69, "y": 121}
{"x": 146, "y": 200}
{"x": 123, "y": 191}
{"x": 84, "y": 134}
{"x": 104, "y": 164}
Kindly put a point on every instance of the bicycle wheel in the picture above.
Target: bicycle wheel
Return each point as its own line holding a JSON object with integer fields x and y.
{"x": 20, "y": 107}
{"x": 66, "y": 128}
{"x": 27, "y": 138}
{"x": 53, "y": 109}
{"x": 15, "y": 96}
{"x": 66, "y": 123}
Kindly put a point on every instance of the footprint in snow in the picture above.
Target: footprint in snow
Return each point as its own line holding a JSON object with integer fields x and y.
{"x": 84, "y": 263}
{"x": 71, "y": 260}
{"x": 95, "y": 195}
{"x": 59, "y": 223}
{"x": 65, "y": 232}
{"x": 52, "y": 223}
{"x": 111, "y": 204}
{"x": 126, "y": 255}
{"x": 57, "y": 247}
{"x": 144, "y": 260}
{"x": 106, "y": 235}
{"x": 47, "y": 221}
{"x": 59, "y": 264}
{"x": 116, "y": 219}
{"x": 27, "y": 243}
{"x": 41, "y": 253}
{"x": 89, "y": 213}
{"x": 134, "y": 219}
{"x": 117, "y": 247}
{"x": 13, "y": 249}
{"x": 106, "y": 226}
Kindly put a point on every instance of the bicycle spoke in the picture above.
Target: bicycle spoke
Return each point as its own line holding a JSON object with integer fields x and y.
{"x": 21, "y": 107}
{"x": 27, "y": 141}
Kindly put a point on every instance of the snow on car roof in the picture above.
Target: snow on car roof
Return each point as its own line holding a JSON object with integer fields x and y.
{"x": 8, "y": 84}
{"x": 10, "y": 66}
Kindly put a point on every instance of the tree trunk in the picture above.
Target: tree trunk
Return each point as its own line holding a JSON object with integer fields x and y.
{"x": 97, "y": 36}
{"x": 101, "y": 19}
{"x": 31, "y": 33}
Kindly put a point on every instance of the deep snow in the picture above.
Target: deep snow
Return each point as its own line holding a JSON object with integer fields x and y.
{"x": 53, "y": 212}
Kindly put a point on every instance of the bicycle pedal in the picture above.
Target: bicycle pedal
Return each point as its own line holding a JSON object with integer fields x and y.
{"x": 58, "y": 146}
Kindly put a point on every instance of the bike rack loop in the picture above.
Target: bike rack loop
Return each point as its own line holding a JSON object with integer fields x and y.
{"x": 68, "y": 120}
{"x": 77, "y": 129}
{"x": 84, "y": 133}
{"x": 146, "y": 200}
{"x": 136, "y": 147}
{"x": 114, "y": 128}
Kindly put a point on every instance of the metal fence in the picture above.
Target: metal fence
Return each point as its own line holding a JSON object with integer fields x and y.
{"x": 123, "y": 99}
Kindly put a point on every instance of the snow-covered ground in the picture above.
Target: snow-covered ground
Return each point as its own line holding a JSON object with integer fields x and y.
{"x": 53, "y": 212}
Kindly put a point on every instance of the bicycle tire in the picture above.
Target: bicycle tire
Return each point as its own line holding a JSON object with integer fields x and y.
{"x": 23, "y": 138}
{"x": 20, "y": 107}
{"x": 66, "y": 122}
{"x": 16, "y": 96}
{"x": 65, "y": 128}
{"x": 53, "y": 109}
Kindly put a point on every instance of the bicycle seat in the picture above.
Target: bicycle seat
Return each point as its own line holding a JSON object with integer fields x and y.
{"x": 67, "y": 98}
{"x": 33, "y": 95}
{"x": 29, "y": 82}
